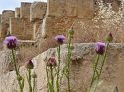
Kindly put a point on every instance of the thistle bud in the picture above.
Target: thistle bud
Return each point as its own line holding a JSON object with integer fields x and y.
{"x": 30, "y": 65}
{"x": 51, "y": 62}
{"x": 109, "y": 38}
{"x": 19, "y": 78}
{"x": 100, "y": 48}
{"x": 115, "y": 89}
{"x": 71, "y": 31}
{"x": 34, "y": 75}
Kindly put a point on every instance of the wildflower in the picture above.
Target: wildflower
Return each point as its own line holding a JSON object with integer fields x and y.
{"x": 11, "y": 42}
{"x": 71, "y": 31}
{"x": 109, "y": 38}
{"x": 100, "y": 48}
{"x": 30, "y": 65}
{"x": 51, "y": 62}
{"x": 115, "y": 89}
{"x": 60, "y": 39}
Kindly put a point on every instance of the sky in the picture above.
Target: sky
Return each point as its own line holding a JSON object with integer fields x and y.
{"x": 12, "y": 4}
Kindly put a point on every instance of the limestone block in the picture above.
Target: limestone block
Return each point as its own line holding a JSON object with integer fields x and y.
{"x": 17, "y": 12}
{"x": 85, "y": 9}
{"x": 28, "y": 27}
{"x": 17, "y": 27}
{"x": 25, "y": 10}
{"x": 37, "y": 10}
{"x": 23, "y": 29}
{"x": 71, "y": 8}
{"x": 6, "y": 15}
{"x": 4, "y": 30}
{"x": 56, "y": 8}
{"x": 35, "y": 27}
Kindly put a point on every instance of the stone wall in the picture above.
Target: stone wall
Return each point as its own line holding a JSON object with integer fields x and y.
{"x": 24, "y": 21}
{"x": 52, "y": 18}
{"x": 41, "y": 21}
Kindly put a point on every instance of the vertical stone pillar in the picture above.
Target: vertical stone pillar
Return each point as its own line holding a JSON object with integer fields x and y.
{"x": 17, "y": 12}
{"x": 22, "y": 27}
{"x": 5, "y": 20}
{"x": 25, "y": 10}
{"x": 37, "y": 13}
{"x": 35, "y": 27}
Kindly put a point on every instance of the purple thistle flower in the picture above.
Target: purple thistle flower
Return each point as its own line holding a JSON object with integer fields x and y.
{"x": 109, "y": 37}
{"x": 100, "y": 48}
{"x": 115, "y": 89}
{"x": 60, "y": 39}
{"x": 30, "y": 65}
{"x": 11, "y": 42}
{"x": 51, "y": 62}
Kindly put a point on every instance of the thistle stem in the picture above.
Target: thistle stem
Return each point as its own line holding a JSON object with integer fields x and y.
{"x": 68, "y": 63}
{"x": 29, "y": 80}
{"x": 52, "y": 78}
{"x": 16, "y": 70}
{"x": 94, "y": 70}
{"x": 57, "y": 81}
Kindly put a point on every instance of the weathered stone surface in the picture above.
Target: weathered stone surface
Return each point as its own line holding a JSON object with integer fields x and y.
{"x": 4, "y": 61}
{"x": 25, "y": 10}
{"x": 17, "y": 27}
{"x": 6, "y": 15}
{"x": 71, "y": 8}
{"x": 35, "y": 27}
{"x": 85, "y": 9}
{"x": 5, "y": 19}
{"x": 80, "y": 71}
{"x": 4, "y": 30}
{"x": 22, "y": 29}
{"x": 37, "y": 10}
{"x": 17, "y": 12}
{"x": 56, "y": 8}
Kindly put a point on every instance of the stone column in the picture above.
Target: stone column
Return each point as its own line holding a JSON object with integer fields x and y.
{"x": 17, "y": 12}
{"x": 5, "y": 19}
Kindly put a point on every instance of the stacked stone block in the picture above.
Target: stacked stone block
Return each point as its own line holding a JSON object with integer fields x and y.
{"x": 21, "y": 25}
{"x": 5, "y": 19}
{"x": 17, "y": 12}
{"x": 37, "y": 14}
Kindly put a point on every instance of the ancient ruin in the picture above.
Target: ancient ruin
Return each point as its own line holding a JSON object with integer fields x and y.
{"x": 37, "y": 23}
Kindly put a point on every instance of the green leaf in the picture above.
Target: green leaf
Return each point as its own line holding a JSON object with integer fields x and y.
{"x": 22, "y": 83}
{"x": 50, "y": 87}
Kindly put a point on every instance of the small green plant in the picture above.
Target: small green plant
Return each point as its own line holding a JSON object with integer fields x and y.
{"x": 29, "y": 76}
{"x": 11, "y": 42}
{"x": 101, "y": 50}
{"x": 50, "y": 67}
